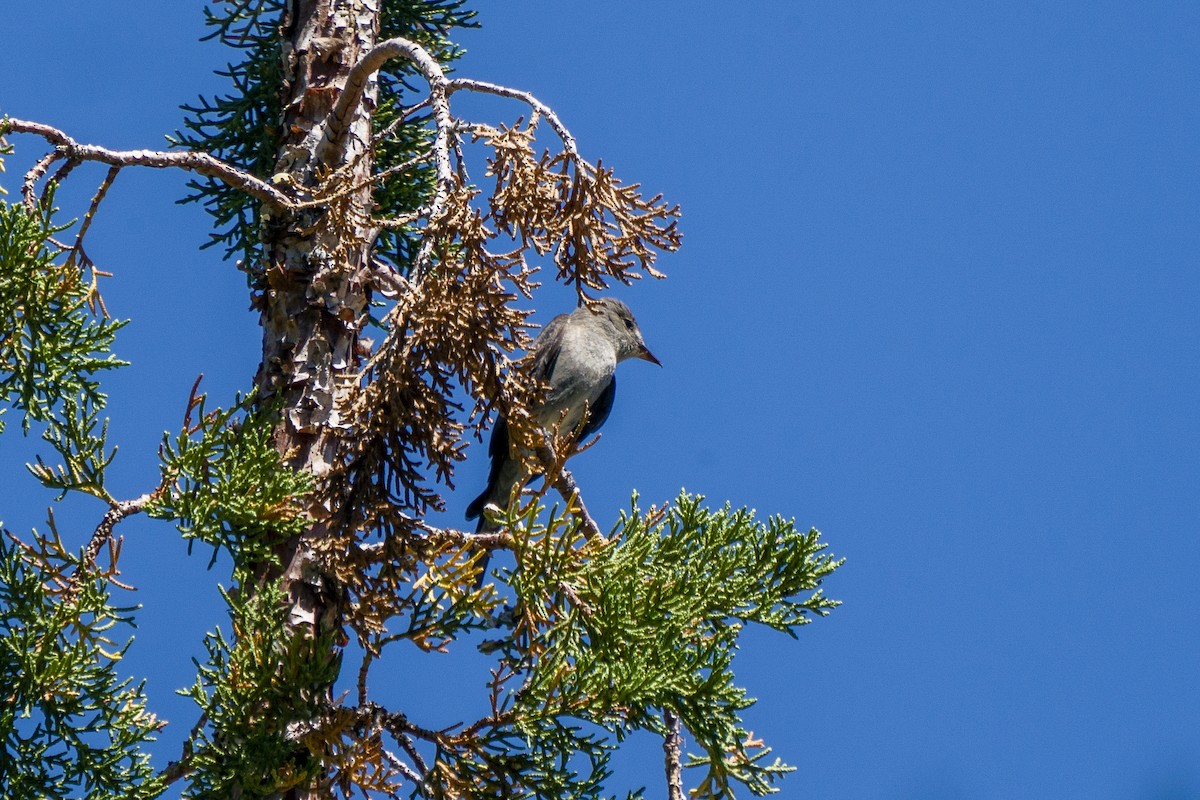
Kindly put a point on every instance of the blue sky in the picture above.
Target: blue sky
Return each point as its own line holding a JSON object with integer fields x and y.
{"x": 939, "y": 296}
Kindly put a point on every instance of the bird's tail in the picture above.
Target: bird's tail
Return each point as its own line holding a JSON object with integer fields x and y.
{"x": 475, "y": 508}
{"x": 483, "y": 526}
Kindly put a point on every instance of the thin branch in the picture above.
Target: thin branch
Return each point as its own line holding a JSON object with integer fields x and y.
{"x": 566, "y": 486}
{"x": 539, "y": 108}
{"x": 411, "y": 749}
{"x": 363, "y": 669}
{"x": 177, "y": 769}
{"x": 34, "y": 175}
{"x": 60, "y": 175}
{"x": 200, "y": 163}
{"x": 352, "y": 94}
{"x": 402, "y": 116}
{"x": 104, "y": 532}
{"x": 388, "y": 280}
{"x": 672, "y": 750}
{"x": 404, "y": 769}
{"x": 497, "y": 540}
{"x": 562, "y": 480}
{"x": 396, "y": 722}
{"x": 365, "y": 69}
{"x": 91, "y": 212}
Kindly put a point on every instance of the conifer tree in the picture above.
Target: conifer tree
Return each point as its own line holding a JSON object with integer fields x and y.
{"x": 387, "y": 270}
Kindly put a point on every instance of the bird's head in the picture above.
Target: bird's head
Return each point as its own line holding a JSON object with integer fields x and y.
{"x": 626, "y": 334}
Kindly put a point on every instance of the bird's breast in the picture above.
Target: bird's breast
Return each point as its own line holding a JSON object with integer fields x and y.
{"x": 583, "y": 369}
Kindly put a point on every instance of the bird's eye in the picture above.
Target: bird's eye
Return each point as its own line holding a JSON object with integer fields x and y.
{"x": 628, "y": 324}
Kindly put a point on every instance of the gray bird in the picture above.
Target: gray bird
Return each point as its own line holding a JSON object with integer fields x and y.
{"x": 577, "y": 356}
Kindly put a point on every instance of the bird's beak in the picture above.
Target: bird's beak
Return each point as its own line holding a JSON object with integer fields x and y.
{"x": 646, "y": 355}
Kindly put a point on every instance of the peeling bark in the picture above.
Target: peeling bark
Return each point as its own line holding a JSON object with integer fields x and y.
{"x": 314, "y": 298}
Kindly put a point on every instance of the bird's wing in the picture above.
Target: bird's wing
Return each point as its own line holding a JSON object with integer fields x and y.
{"x": 545, "y": 352}
{"x": 498, "y": 451}
{"x": 498, "y": 446}
{"x": 600, "y": 410}
{"x": 546, "y": 348}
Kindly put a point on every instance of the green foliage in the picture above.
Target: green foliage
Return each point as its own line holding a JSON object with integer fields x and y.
{"x": 71, "y": 726}
{"x": 612, "y": 635}
{"x": 250, "y": 689}
{"x": 84, "y": 452}
{"x": 241, "y": 127}
{"x": 660, "y": 618}
{"x": 602, "y": 638}
{"x": 54, "y": 339}
{"x": 226, "y": 485}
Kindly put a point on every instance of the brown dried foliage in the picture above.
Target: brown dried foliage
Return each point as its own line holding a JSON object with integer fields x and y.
{"x": 595, "y": 228}
{"x": 449, "y": 359}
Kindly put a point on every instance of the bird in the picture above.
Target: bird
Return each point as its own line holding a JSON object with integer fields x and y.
{"x": 576, "y": 356}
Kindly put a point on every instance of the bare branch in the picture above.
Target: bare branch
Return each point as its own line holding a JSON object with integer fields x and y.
{"x": 402, "y": 116}
{"x": 562, "y": 480}
{"x": 372, "y": 62}
{"x": 498, "y": 540}
{"x": 103, "y": 534}
{"x": 390, "y": 282}
{"x": 404, "y": 769}
{"x": 351, "y": 96}
{"x": 91, "y": 212}
{"x": 34, "y": 175}
{"x": 60, "y": 175}
{"x": 411, "y": 749}
{"x": 177, "y": 769}
{"x": 569, "y": 489}
{"x": 540, "y": 109}
{"x": 200, "y": 163}
{"x": 673, "y": 749}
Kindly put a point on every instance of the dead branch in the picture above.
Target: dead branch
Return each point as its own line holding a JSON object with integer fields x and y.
{"x": 200, "y": 163}
{"x": 498, "y": 540}
{"x": 29, "y": 185}
{"x": 672, "y": 749}
{"x": 97, "y": 199}
{"x": 177, "y": 769}
{"x": 556, "y": 473}
{"x": 540, "y": 109}
{"x": 103, "y": 534}
{"x": 351, "y": 96}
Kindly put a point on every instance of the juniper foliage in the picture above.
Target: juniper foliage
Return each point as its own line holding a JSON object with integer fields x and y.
{"x": 594, "y": 638}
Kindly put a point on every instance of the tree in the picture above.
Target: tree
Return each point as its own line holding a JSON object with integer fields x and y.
{"x": 338, "y": 174}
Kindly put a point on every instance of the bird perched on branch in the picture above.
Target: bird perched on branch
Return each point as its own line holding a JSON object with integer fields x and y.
{"x": 576, "y": 356}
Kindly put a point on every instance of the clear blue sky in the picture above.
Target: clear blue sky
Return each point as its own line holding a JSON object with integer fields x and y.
{"x": 939, "y": 297}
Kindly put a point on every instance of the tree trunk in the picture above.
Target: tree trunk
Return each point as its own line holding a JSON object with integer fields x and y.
{"x": 313, "y": 299}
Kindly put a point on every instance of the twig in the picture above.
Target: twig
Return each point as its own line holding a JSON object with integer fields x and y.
{"x": 200, "y": 163}
{"x": 60, "y": 175}
{"x": 351, "y": 96}
{"x": 103, "y": 534}
{"x": 34, "y": 175}
{"x": 411, "y": 749}
{"x": 404, "y": 769}
{"x": 561, "y": 479}
{"x": 363, "y": 669}
{"x": 496, "y": 540}
{"x": 673, "y": 749}
{"x": 177, "y": 769}
{"x": 539, "y": 108}
{"x": 402, "y": 116}
{"x": 91, "y": 212}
